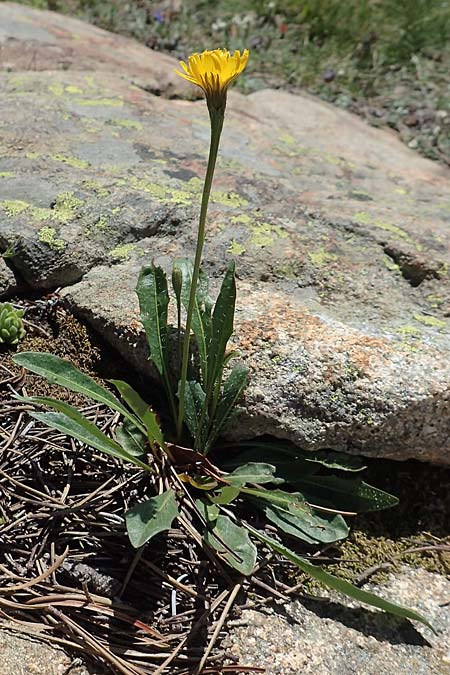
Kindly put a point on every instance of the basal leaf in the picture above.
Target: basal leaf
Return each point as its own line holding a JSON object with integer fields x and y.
{"x": 226, "y": 495}
{"x": 201, "y": 317}
{"x": 61, "y": 372}
{"x": 132, "y": 439}
{"x": 209, "y": 512}
{"x": 337, "y": 584}
{"x": 253, "y": 472}
{"x": 141, "y": 409}
{"x": 335, "y": 460}
{"x": 153, "y": 297}
{"x": 147, "y": 519}
{"x": 232, "y": 543}
{"x": 344, "y": 494}
{"x": 80, "y": 428}
{"x": 311, "y": 527}
{"x": 293, "y": 515}
{"x": 194, "y": 401}
{"x": 232, "y": 390}
{"x": 221, "y": 326}
{"x": 288, "y": 462}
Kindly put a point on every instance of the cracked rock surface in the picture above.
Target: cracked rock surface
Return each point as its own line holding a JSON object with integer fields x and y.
{"x": 340, "y": 233}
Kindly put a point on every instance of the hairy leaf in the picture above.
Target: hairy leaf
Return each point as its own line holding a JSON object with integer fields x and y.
{"x": 288, "y": 462}
{"x": 80, "y": 428}
{"x": 61, "y": 372}
{"x": 141, "y": 409}
{"x": 153, "y": 297}
{"x": 194, "y": 401}
{"x": 221, "y": 326}
{"x": 293, "y": 515}
{"x": 232, "y": 543}
{"x": 226, "y": 495}
{"x": 232, "y": 390}
{"x": 147, "y": 519}
{"x": 337, "y": 584}
{"x": 132, "y": 439}
{"x": 344, "y": 494}
{"x": 201, "y": 317}
{"x": 253, "y": 472}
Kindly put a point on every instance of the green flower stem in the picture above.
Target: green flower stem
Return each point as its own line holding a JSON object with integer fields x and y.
{"x": 217, "y": 117}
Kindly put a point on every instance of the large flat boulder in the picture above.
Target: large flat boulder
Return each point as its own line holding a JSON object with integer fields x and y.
{"x": 340, "y": 232}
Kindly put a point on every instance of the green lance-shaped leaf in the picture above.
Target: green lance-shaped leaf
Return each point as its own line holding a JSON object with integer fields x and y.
{"x": 335, "y": 460}
{"x": 201, "y": 316}
{"x": 73, "y": 424}
{"x": 131, "y": 439}
{"x": 231, "y": 541}
{"x": 221, "y": 327}
{"x": 253, "y": 472}
{"x": 232, "y": 390}
{"x": 293, "y": 515}
{"x": 149, "y": 518}
{"x": 61, "y": 372}
{"x": 153, "y": 297}
{"x": 287, "y": 462}
{"x": 141, "y": 409}
{"x": 337, "y": 584}
{"x": 194, "y": 402}
{"x": 287, "y": 456}
{"x": 343, "y": 494}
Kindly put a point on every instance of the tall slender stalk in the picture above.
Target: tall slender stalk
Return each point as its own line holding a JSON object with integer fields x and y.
{"x": 216, "y": 117}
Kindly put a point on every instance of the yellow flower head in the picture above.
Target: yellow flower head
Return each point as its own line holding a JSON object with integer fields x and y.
{"x": 214, "y": 71}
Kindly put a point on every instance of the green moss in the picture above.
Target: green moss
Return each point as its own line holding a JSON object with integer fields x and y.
{"x": 122, "y": 252}
{"x": 243, "y": 218}
{"x": 288, "y": 139}
{"x": 180, "y": 197}
{"x": 435, "y": 300}
{"x": 75, "y": 162}
{"x": 96, "y": 187}
{"x": 264, "y": 234}
{"x": 195, "y": 185}
{"x": 367, "y": 219}
{"x": 290, "y": 270}
{"x": 430, "y": 321}
{"x": 14, "y": 206}
{"x": 72, "y": 89}
{"x": 47, "y": 235}
{"x": 127, "y": 124}
{"x": 100, "y": 225}
{"x": 97, "y": 102}
{"x": 57, "y": 89}
{"x": 144, "y": 185}
{"x": 443, "y": 270}
{"x": 39, "y": 214}
{"x": 408, "y": 331}
{"x": 321, "y": 257}
{"x": 391, "y": 265}
{"x": 231, "y": 199}
{"x": 65, "y": 206}
{"x": 235, "y": 248}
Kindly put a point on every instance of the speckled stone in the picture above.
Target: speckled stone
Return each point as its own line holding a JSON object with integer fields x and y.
{"x": 340, "y": 235}
{"x": 23, "y": 655}
{"x": 339, "y": 637}
{"x": 7, "y": 279}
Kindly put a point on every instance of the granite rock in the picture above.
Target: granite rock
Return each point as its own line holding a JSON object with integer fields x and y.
{"x": 337, "y": 637}
{"x": 340, "y": 235}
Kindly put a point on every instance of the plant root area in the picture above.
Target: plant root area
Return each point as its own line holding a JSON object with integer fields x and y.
{"x": 69, "y": 575}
